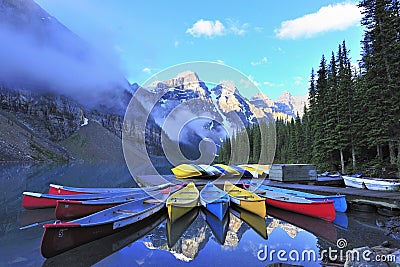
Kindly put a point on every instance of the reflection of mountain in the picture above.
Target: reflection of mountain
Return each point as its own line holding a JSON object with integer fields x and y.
{"x": 194, "y": 239}
{"x": 290, "y": 229}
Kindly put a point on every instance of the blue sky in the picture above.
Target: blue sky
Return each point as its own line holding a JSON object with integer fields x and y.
{"x": 275, "y": 43}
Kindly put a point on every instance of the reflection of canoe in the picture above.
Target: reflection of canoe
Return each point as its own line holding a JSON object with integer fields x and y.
{"x": 182, "y": 201}
{"x": 319, "y": 209}
{"x": 62, "y": 236}
{"x": 176, "y": 228}
{"x": 339, "y": 200}
{"x": 93, "y": 252}
{"x": 316, "y": 226}
{"x": 219, "y": 227}
{"x": 69, "y": 190}
{"x": 341, "y": 220}
{"x": 29, "y": 217}
{"x": 245, "y": 199}
{"x": 214, "y": 200}
{"x": 257, "y": 223}
{"x": 69, "y": 209}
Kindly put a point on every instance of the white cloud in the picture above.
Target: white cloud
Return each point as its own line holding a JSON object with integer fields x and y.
{"x": 328, "y": 18}
{"x": 220, "y": 61}
{"x": 298, "y": 80}
{"x": 147, "y": 70}
{"x": 261, "y": 61}
{"x": 268, "y": 84}
{"x": 207, "y": 28}
{"x": 258, "y": 29}
{"x": 236, "y": 28}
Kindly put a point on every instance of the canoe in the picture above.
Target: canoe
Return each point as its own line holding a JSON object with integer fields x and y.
{"x": 257, "y": 172}
{"x": 264, "y": 168}
{"x": 93, "y": 252}
{"x": 339, "y": 203}
{"x": 69, "y": 190}
{"x": 219, "y": 227}
{"x": 182, "y": 201}
{"x": 377, "y": 184}
{"x": 228, "y": 171}
{"x": 211, "y": 170}
{"x": 38, "y": 201}
{"x": 245, "y": 173}
{"x": 214, "y": 200}
{"x": 245, "y": 199}
{"x": 62, "y": 236}
{"x": 257, "y": 223}
{"x": 184, "y": 171}
{"x": 320, "y": 209}
{"x": 70, "y": 209}
{"x": 319, "y": 228}
{"x": 176, "y": 228}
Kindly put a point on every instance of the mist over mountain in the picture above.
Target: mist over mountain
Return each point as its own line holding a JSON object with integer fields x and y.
{"x": 38, "y": 53}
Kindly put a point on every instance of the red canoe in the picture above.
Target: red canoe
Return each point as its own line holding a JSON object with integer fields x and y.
{"x": 320, "y": 209}
{"x": 38, "y": 201}
{"x": 69, "y": 190}
{"x": 62, "y": 236}
{"x": 69, "y": 209}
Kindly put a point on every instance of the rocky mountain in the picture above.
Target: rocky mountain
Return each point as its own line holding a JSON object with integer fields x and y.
{"x": 51, "y": 82}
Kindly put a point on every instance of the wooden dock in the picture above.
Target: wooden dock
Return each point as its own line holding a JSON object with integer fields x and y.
{"x": 390, "y": 200}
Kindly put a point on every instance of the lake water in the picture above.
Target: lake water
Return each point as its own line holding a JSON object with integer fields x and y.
{"x": 195, "y": 240}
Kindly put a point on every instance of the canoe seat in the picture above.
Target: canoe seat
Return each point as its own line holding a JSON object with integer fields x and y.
{"x": 182, "y": 198}
{"x": 152, "y": 201}
{"x": 244, "y": 196}
{"x": 125, "y": 212}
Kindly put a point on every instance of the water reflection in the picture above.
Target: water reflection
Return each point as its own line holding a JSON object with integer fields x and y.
{"x": 297, "y": 222}
{"x": 200, "y": 241}
{"x": 218, "y": 227}
{"x": 93, "y": 252}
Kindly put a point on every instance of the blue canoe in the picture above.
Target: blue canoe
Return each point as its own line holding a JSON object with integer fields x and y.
{"x": 214, "y": 200}
{"x": 340, "y": 203}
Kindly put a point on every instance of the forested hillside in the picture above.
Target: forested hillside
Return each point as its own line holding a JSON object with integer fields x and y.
{"x": 352, "y": 122}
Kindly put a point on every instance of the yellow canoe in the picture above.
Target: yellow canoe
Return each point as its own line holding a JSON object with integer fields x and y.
{"x": 262, "y": 167}
{"x": 182, "y": 201}
{"x": 252, "y": 169}
{"x": 229, "y": 170}
{"x": 246, "y": 200}
{"x": 186, "y": 171}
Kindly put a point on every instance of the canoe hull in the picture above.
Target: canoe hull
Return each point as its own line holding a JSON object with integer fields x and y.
{"x": 31, "y": 202}
{"x": 319, "y": 209}
{"x": 176, "y": 212}
{"x": 340, "y": 203}
{"x": 257, "y": 207}
{"x": 69, "y": 190}
{"x": 218, "y": 209}
{"x": 66, "y": 209}
{"x": 62, "y": 236}
{"x": 353, "y": 182}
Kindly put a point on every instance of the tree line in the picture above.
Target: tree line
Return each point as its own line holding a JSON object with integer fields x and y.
{"x": 352, "y": 122}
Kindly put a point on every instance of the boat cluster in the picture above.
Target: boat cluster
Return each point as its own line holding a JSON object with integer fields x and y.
{"x": 98, "y": 212}
{"x": 184, "y": 171}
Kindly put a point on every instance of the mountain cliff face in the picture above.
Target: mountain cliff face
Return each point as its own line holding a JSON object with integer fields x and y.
{"x": 51, "y": 82}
